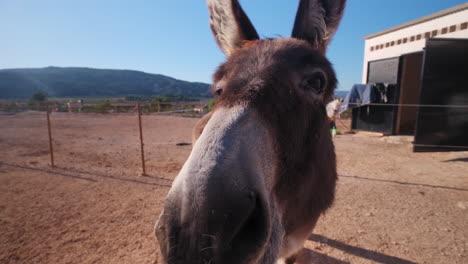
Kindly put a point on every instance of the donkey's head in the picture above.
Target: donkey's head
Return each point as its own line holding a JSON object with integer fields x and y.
{"x": 263, "y": 167}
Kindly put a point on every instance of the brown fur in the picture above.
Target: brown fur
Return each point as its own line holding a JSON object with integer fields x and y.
{"x": 285, "y": 84}
{"x": 229, "y": 16}
{"x": 198, "y": 129}
{"x": 317, "y": 21}
{"x": 307, "y": 169}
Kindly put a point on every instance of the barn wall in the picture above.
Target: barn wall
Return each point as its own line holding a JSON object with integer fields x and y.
{"x": 415, "y": 38}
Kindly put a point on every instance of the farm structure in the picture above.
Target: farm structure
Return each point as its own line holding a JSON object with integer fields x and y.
{"x": 423, "y": 66}
{"x": 102, "y": 105}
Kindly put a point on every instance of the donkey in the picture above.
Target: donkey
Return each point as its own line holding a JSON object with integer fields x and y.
{"x": 75, "y": 106}
{"x": 262, "y": 169}
{"x": 333, "y": 109}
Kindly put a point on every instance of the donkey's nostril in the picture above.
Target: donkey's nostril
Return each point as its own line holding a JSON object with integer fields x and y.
{"x": 252, "y": 232}
{"x": 252, "y": 196}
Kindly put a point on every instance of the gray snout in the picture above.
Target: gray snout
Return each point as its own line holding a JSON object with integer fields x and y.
{"x": 227, "y": 226}
{"x": 217, "y": 210}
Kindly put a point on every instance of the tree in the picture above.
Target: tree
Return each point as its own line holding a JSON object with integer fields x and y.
{"x": 36, "y": 102}
{"x": 38, "y": 97}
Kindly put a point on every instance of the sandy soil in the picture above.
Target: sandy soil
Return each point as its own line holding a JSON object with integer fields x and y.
{"x": 392, "y": 206}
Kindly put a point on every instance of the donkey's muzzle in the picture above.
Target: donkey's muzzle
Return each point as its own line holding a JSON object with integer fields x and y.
{"x": 223, "y": 226}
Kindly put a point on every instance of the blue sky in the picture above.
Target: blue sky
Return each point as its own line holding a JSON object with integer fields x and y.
{"x": 172, "y": 37}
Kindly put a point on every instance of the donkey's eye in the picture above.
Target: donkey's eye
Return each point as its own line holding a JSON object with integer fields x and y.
{"x": 218, "y": 91}
{"x": 314, "y": 83}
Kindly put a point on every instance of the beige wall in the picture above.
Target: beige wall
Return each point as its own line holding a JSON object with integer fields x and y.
{"x": 416, "y": 45}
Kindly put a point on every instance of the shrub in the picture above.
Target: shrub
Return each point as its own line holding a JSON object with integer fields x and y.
{"x": 211, "y": 104}
{"x": 105, "y": 107}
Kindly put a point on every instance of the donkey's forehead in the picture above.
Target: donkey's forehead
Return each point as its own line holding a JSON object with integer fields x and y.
{"x": 271, "y": 54}
{"x": 276, "y": 45}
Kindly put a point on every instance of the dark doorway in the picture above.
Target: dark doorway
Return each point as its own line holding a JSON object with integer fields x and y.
{"x": 380, "y": 118}
{"x": 444, "y": 83}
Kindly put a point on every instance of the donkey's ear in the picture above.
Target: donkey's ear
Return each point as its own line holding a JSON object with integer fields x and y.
{"x": 230, "y": 25}
{"x": 317, "y": 21}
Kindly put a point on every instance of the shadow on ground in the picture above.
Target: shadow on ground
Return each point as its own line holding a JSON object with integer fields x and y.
{"x": 405, "y": 183}
{"x": 315, "y": 258}
{"x": 307, "y": 256}
{"x": 84, "y": 175}
{"x": 458, "y": 160}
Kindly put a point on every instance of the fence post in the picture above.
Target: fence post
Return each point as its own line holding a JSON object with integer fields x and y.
{"x": 141, "y": 140}
{"x": 51, "y": 149}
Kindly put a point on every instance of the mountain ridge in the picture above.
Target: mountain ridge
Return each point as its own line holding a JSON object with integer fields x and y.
{"x": 20, "y": 83}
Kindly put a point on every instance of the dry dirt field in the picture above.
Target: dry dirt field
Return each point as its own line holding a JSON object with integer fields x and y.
{"x": 392, "y": 205}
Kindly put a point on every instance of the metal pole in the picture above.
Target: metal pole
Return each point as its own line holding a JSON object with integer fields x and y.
{"x": 141, "y": 140}
{"x": 51, "y": 148}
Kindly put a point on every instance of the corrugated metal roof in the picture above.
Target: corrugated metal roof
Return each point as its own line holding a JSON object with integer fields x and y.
{"x": 442, "y": 13}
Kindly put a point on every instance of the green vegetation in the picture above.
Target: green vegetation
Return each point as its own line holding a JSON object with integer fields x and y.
{"x": 38, "y": 97}
{"x": 36, "y": 101}
{"x": 167, "y": 98}
{"x": 211, "y": 104}
{"x": 104, "y": 107}
{"x": 347, "y": 114}
{"x": 136, "y": 98}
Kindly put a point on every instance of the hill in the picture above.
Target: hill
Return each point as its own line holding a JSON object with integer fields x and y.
{"x": 341, "y": 94}
{"x": 88, "y": 82}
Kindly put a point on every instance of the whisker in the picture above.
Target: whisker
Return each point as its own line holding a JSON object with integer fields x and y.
{"x": 209, "y": 261}
{"x": 209, "y": 236}
{"x": 207, "y": 248}
{"x": 165, "y": 214}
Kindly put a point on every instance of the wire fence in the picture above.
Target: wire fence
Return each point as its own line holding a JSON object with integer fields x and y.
{"x": 192, "y": 109}
{"x": 106, "y": 106}
{"x": 411, "y": 105}
{"x": 183, "y": 109}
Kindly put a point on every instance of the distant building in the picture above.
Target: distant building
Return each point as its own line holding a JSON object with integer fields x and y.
{"x": 411, "y": 36}
{"x": 423, "y": 66}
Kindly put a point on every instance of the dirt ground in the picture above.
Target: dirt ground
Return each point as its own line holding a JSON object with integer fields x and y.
{"x": 392, "y": 205}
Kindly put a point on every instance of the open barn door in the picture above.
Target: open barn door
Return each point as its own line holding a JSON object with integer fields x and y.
{"x": 443, "y": 124}
{"x": 410, "y": 82}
